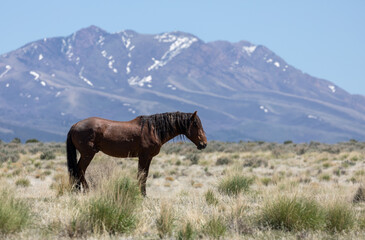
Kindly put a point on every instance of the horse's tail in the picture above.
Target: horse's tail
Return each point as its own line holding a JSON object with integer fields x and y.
{"x": 71, "y": 159}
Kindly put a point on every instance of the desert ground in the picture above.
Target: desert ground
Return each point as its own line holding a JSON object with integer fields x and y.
{"x": 244, "y": 190}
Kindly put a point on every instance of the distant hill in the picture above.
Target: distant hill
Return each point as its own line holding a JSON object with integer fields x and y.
{"x": 242, "y": 91}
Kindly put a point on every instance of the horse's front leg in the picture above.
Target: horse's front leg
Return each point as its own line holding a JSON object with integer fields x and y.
{"x": 143, "y": 167}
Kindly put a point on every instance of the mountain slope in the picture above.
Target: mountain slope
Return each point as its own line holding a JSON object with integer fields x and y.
{"x": 241, "y": 91}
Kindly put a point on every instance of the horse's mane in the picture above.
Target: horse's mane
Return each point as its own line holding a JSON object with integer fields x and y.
{"x": 166, "y": 123}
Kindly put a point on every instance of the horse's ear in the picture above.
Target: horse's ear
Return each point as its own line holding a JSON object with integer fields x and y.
{"x": 194, "y": 115}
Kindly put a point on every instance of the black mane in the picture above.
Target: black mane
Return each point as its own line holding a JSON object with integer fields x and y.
{"x": 166, "y": 123}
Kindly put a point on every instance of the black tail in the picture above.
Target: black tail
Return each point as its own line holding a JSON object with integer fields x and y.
{"x": 71, "y": 159}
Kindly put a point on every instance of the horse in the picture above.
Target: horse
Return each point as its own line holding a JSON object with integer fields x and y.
{"x": 141, "y": 137}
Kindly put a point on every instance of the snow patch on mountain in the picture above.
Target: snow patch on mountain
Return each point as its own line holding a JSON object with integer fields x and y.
{"x": 156, "y": 64}
{"x": 263, "y": 108}
{"x": 332, "y": 88}
{"x": 132, "y": 110}
{"x": 166, "y": 37}
{"x": 249, "y": 49}
{"x": 127, "y": 41}
{"x": 101, "y": 40}
{"x": 111, "y": 61}
{"x": 34, "y": 74}
{"x": 178, "y": 44}
{"x": 171, "y": 86}
{"x": 84, "y": 78}
{"x": 67, "y": 48}
{"x": 128, "y": 68}
{"x": 7, "y": 69}
{"x": 140, "y": 82}
{"x": 310, "y": 116}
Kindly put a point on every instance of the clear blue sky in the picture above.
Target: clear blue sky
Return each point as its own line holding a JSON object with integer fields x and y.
{"x": 324, "y": 38}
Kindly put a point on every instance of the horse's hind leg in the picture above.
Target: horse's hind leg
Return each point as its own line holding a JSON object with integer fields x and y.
{"x": 83, "y": 163}
{"x": 143, "y": 167}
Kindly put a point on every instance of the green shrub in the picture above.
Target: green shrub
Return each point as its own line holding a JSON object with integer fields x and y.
{"x": 47, "y": 155}
{"x": 293, "y": 214}
{"x": 222, "y": 161}
{"x": 187, "y": 232}
{"x": 114, "y": 210}
{"x": 359, "y": 195}
{"x": 233, "y": 185}
{"x": 126, "y": 191}
{"x": 75, "y": 229}
{"x": 107, "y": 214}
{"x": 193, "y": 157}
{"x": 33, "y": 140}
{"x": 22, "y": 182}
{"x": 165, "y": 222}
{"x": 325, "y": 177}
{"x": 157, "y": 174}
{"x": 14, "y": 213}
{"x": 215, "y": 227}
{"x": 16, "y": 140}
{"x": 12, "y": 156}
{"x": 255, "y": 162}
{"x": 266, "y": 181}
{"x": 210, "y": 198}
{"x": 61, "y": 184}
{"x": 340, "y": 217}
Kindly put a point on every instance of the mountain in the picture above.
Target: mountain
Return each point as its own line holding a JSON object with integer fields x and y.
{"x": 241, "y": 91}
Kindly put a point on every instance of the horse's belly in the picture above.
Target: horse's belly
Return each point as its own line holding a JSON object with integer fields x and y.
{"x": 122, "y": 150}
{"x": 121, "y": 154}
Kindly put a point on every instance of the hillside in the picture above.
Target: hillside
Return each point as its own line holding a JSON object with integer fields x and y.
{"x": 241, "y": 91}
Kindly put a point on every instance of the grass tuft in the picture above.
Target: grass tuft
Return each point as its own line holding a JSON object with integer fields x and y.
{"x": 210, "y": 198}
{"x": 359, "y": 196}
{"x": 114, "y": 210}
{"x": 22, "y": 182}
{"x": 215, "y": 228}
{"x": 14, "y": 213}
{"x": 187, "y": 232}
{"x": 61, "y": 184}
{"x": 47, "y": 155}
{"x": 234, "y": 185}
{"x": 293, "y": 214}
{"x": 165, "y": 222}
{"x": 340, "y": 217}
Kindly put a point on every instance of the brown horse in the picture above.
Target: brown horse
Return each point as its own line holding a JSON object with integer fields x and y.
{"x": 141, "y": 137}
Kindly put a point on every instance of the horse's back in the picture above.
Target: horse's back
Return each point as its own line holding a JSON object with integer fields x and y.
{"x": 108, "y": 136}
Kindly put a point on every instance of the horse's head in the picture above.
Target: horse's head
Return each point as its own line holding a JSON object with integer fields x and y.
{"x": 196, "y": 132}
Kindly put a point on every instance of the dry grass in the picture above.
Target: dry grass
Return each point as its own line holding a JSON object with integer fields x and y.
{"x": 185, "y": 197}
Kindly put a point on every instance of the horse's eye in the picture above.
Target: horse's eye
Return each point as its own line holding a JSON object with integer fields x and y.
{"x": 195, "y": 124}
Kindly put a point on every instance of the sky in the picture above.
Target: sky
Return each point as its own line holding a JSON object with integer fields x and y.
{"x": 324, "y": 38}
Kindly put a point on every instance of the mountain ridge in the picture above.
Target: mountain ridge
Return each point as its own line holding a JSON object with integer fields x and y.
{"x": 237, "y": 88}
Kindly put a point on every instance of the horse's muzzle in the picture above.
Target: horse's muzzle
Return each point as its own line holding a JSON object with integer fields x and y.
{"x": 201, "y": 145}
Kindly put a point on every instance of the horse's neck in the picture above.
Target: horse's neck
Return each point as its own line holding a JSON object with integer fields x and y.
{"x": 170, "y": 136}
